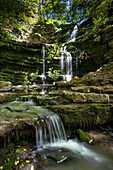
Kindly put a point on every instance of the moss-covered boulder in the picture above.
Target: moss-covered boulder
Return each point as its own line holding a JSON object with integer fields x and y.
{"x": 7, "y": 97}
{"x": 83, "y": 136}
{"x": 5, "y": 86}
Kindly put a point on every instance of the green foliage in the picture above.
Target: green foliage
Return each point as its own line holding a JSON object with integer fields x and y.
{"x": 10, "y": 156}
{"x": 19, "y": 17}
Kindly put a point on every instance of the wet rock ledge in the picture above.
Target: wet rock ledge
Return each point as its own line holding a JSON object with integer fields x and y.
{"x": 81, "y": 103}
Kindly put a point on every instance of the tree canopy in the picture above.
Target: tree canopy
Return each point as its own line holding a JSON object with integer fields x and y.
{"x": 23, "y": 14}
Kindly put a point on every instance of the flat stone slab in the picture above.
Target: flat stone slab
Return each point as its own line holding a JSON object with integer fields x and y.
{"x": 78, "y": 97}
{"x": 96, "y": 89}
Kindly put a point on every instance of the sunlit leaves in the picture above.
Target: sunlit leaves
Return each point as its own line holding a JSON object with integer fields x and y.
{"x": 16, "y": 162}
{"x": 18, "y": 151}
{"x": 27, "y": 161}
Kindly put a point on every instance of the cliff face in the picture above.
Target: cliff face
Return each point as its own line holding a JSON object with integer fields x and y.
{"x": 94, "y": 49}
{"x": 17, "y": 60}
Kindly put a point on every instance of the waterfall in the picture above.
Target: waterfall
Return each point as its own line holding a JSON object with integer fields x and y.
{"x": 43, "y": 76}
{"x": 73, "y": 34}
{"x": 49, "y": 130}
{"x": 66, "y": 58}
{"x": 66, "y": 64}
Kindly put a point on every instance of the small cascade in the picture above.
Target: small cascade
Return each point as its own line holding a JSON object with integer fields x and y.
{"x": 43, "y": 75}
{"x": 66, "y": 58}
{"x": 73, "y": 34}
{"x": 66, "y": 64}
{"x": 49, "y": 129}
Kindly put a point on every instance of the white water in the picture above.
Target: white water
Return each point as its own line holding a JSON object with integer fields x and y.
{"x": 73, "y": 34}
{"x": 66, "y": 64}
{"x": 78, "y": 149}
{"x": 43, "y": 75}
{"x": 83, "y": 157}
{"x": 66, "y": 58}
{"x": 50, "y": 134}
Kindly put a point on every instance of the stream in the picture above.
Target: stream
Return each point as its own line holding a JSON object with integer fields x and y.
{"x": 72, "y": 155}
{"x": 59, "y": 153}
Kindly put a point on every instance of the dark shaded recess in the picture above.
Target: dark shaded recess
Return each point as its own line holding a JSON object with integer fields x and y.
{"x": 22, "y": 132}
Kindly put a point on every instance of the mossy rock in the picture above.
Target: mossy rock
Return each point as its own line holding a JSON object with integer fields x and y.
{"x": 83, "y": 136}
{"x": 5, "y": 85}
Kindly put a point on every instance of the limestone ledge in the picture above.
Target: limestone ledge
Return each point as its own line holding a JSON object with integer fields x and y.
{"x": 78, "y": 97}
{"x": 96, "y": 89}
{"x": 83, "y": 115}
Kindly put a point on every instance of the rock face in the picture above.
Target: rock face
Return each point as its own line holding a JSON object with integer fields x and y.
{"x": 18, "y": 120}
{"x": 13, "y": 126}
{"x": 79, "y": 106}
{"x": 15, "y": 132}
{"x": 95, "y": 48}
{"x": 76, "y": 97}
{"x": 83, "y": 115}
{"x": 5, "y": 92}
{"x": 88, "y": 100}
{"x": 18, "y": 60}
{"x": 100, "y": 78}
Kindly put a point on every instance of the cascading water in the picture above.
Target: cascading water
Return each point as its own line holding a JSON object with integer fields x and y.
{"x": 66, "y": 58}
{"x": 49, "y": 129}
{"x": 43, "y": 76}
{"x": 51, "y": 138}
{"x": 66, "y": 64}
{"x": 53, "y": 148}
{"x": 73, "y": 34}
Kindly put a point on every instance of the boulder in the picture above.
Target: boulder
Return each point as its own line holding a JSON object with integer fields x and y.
{"x": 7, "y": 97}
{"x": 83, "y": 136}
{"x": 5, "y": 86}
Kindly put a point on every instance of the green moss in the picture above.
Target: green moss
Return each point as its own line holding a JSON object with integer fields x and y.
{"x": 83, "y": 136}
